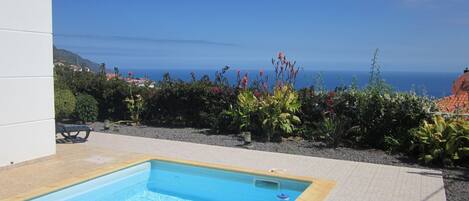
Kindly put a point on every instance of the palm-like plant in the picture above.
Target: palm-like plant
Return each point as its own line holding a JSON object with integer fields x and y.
{"x": 444, "y": 140}
{"x": 247, "y": 105}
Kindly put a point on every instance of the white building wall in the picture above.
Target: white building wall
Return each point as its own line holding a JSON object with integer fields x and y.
{"x": 26, "y": 81}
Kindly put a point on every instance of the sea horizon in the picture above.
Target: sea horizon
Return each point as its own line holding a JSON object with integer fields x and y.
{"x": 433, "y": 84}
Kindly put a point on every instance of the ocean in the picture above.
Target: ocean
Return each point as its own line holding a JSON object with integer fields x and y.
{"x": 434, "y": 84}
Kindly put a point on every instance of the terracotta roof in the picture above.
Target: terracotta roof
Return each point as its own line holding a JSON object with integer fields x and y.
{"x": 456, "y": 102}
{"x": 110, "y": 76}
{"x": 461, "y": 84}
{"x": 459, "y": 100}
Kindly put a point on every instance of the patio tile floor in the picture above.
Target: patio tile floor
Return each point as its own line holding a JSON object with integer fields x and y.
{"x": 354, "y": 180}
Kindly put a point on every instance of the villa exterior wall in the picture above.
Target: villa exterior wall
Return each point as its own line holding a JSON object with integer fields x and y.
{"x": 27, "y": 126}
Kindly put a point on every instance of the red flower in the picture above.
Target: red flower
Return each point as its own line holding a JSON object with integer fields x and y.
{"x": 330, "y": 101}
{"x": 281, "y": 56}
{"x": 216, "y": 90}
{"x": 257, "y": 94}
{"x": 244, "y": 81}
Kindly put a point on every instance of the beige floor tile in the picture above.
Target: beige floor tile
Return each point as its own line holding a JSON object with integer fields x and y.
{"x": 354, "y": 180}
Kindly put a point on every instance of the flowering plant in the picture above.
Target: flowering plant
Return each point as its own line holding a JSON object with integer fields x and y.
{"x": 135, "y": 106}
{"x": 278, "y": 111}
{"x": 285, "y": 70}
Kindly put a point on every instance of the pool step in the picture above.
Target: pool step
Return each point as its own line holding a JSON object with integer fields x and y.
{"x": 266, "y": 183}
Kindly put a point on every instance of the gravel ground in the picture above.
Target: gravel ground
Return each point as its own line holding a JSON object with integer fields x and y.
{"x": 456, "y": 179}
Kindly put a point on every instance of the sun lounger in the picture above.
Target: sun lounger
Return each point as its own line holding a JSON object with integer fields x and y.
{"x": 71, "y": 131}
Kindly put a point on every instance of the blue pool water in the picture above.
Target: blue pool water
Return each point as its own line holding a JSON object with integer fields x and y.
{"x": 165, "y": 181}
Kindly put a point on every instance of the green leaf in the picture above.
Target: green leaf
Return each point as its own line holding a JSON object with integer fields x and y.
{"x": 296, "y": 119}
{"x": 455, "y": 156}
{"x": 464, "y": 151}
{"x": 428, "y": 158}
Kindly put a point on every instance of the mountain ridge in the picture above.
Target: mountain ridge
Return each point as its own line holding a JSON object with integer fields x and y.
{"x": 70, "y": 58}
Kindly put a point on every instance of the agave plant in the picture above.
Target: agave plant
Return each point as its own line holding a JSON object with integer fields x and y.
{"x": 334, "y": 129}
{"x": 443, "y": 140}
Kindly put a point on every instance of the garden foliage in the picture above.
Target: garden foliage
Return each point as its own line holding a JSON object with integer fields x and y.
{"x": 243, "y": 112}
{"x": 374, "y": 116}
{"x": 278, "y": 112}
{"x": 64, "y": 103}
{"x": 442, "y": 140}
{"x": 198, "y": 103}
{"x": 135, "y": 105}
{"x": 376, "y": 119}
{"x": 86, "y": 108}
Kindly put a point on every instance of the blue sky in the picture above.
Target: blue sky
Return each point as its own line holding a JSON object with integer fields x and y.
{"x": 413, "y": 35}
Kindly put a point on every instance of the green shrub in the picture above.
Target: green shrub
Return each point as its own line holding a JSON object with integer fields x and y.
{"x": 329, "y": 131}
{"x": 333, "y": 130}
{"x": 86, "y": 108}
{"x": 110, "y": 94}
{"x": 386, "y": 118}
{"x": 380, "y": 119}
{"x": 317, "y": 106}
{"x": 198, "y": 103}
{"x": 313, "y": 105}
{"x": 278, "y": 112}
{"x": 246, "y": 106}
{"x": 226, "y": 122}
{"x": 64, "y": 103}
{"x": 442, "y": 140}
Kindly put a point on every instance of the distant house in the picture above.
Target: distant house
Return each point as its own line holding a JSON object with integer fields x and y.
{"x": 79, "y": 68}
{"x": 110, "y": 76}
{"x": 141, "y": 82}
{"x": 59, "y": 64}
{"x": 458, "y": 101}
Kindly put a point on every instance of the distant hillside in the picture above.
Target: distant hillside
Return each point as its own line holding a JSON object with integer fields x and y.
{"x": 70, "y": 58}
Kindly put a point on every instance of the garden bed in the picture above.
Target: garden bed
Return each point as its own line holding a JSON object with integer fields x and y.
{"x": 456, "y": 179}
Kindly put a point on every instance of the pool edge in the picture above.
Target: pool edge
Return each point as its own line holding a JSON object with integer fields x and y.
{"x": 317, "y": 191}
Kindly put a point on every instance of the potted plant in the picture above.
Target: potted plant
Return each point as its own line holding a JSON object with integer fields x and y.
{"x": 107, "y": 124}
{"x": 247, "y": 105}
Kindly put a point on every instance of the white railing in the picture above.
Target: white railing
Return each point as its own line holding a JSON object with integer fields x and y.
{"x": 450, "y": 114}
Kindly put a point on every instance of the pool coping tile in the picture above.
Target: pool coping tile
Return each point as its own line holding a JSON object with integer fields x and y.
{"x": 317, "y": 191}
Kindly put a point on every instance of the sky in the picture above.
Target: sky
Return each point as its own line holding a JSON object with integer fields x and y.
{"x": 412, "y": 35}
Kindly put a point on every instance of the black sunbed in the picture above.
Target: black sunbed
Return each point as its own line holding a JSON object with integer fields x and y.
{"x": 71, "y": 131}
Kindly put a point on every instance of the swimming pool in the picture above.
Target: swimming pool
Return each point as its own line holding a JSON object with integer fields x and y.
{"x": 172, "y": 181}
